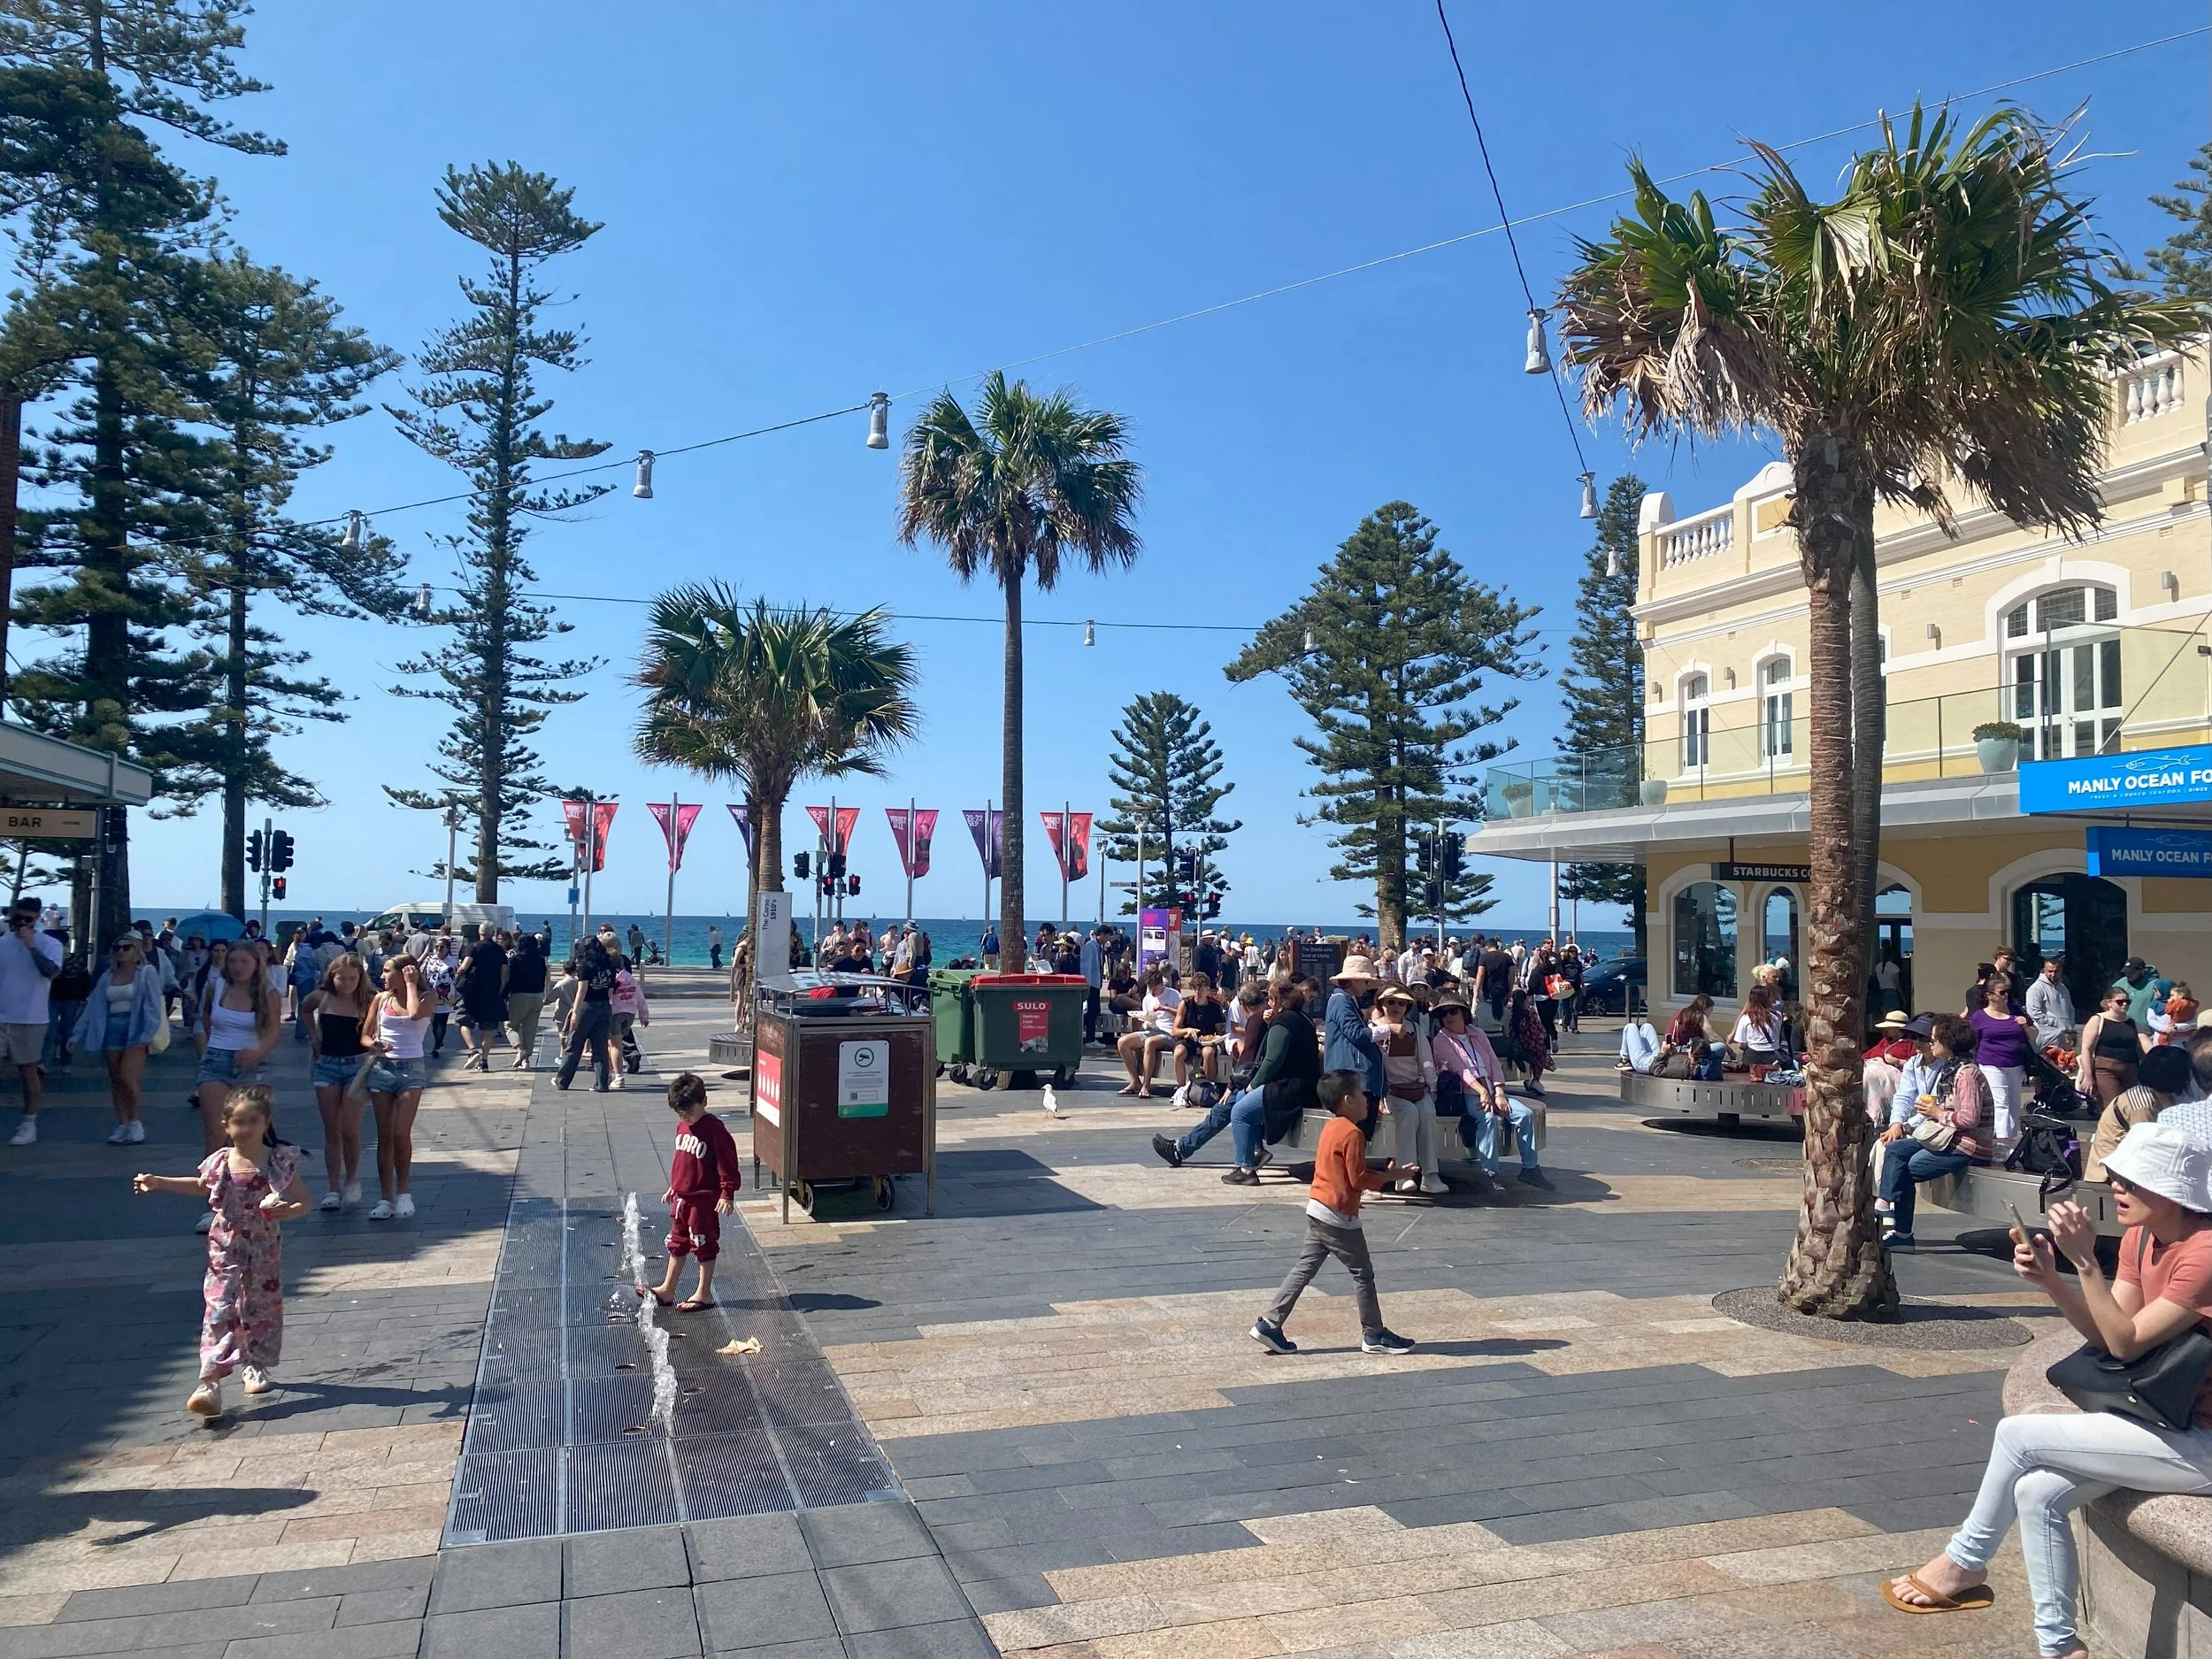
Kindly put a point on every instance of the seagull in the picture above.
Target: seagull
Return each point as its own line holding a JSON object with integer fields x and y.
{"x": 1052, "y": 1102}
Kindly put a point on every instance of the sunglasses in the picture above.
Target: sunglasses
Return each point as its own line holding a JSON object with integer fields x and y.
{"x": 2119, "y": 1183}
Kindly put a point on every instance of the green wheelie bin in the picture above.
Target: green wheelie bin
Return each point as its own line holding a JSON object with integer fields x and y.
{"x": 953, "y": 1010}
{"x": 1026, "y": 1025}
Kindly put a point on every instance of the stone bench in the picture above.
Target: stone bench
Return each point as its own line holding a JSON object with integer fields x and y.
{"x": 2146, "y": 1557}
{"x": 1727, "y": 1101}
{"x": 1452, "y": 1156}
{"x": 1983, "y": 1190}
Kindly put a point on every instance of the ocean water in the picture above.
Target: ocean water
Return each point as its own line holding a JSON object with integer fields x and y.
{"x": 948, "y": 937}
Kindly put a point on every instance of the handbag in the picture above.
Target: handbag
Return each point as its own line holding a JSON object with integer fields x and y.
{"x": 1934, "y": 1134}
{"x": 2159, "y": 1387}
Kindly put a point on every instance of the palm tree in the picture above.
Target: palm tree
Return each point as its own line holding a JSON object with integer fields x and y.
{"x": 765, "y": 697}
{"x": 1941, "y": 328}
{"x": 1029, "y": 481}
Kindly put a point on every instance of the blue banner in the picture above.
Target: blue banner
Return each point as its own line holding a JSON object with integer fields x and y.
{"x": 2154, "y": 777}
{"x": 2150, "y": 852}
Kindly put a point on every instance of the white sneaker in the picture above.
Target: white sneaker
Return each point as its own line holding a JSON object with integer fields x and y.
{"x": 1181, "y": 1097}
{"x": 619, "y": 1083}
{"x": 26, "y": 1133}
{"x": 331, "y": 1200}
{"x": 404, "y": 1207}
{"x": 1434, "y": 1185}
{"x": 353, "y": 1194}
{"x": 206, "y": 1221}
{"x": 120, "y": 1136}
{"x": 383, "y": 1210}
{"x": 137, "y": 1126}
{"x": 206, "y": 1401}
{"x": 258, "y": 1381}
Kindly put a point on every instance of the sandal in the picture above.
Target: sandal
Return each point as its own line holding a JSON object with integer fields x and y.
{"x": 1971, "y": 1600}
{"x": 692, "y": 1304}
{"x": 644, "y": 1291}
{"x": 1126, "y": 1088}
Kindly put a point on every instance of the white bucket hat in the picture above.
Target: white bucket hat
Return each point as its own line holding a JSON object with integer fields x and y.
{"x": 2165, "y": 1159}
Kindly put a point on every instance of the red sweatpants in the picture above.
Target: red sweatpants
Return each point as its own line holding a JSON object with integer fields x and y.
{"x": 693, "y": 1228}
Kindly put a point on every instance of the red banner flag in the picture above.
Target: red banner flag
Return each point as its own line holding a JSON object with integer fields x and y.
{"x": 574, "y": 811}
{"x": 743, "y": 814}
{"x": 1075, "y": 855}
{"x": 847, "y": 818}
{"x": 913, "y": 828}
{"x": 675, "y": 826}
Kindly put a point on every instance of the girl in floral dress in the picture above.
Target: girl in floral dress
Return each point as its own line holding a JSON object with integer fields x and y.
{"x": 251, "y": 1187}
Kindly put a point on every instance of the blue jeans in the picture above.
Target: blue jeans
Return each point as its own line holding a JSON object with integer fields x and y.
{"x": 1907, "y": 1165}
{"x": 2045, "y": 1467}
{"x": 1243, "y": 1114}
{"x": 1523, "y": 1118}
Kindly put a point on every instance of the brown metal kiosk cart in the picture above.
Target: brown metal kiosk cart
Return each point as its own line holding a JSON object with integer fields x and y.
{"x": 844, "y": 1086}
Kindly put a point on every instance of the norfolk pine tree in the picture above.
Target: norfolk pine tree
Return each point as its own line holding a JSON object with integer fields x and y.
{"x": 2182, "y": 264}
{"x": 477, "y": 410}
{"x": 1605, "y": 693}
{"x": 1404, "y": 641}
{"x": 1166, "y": 764}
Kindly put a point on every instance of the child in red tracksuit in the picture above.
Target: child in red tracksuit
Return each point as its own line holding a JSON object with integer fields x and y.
{"x": 702, "y": 1183}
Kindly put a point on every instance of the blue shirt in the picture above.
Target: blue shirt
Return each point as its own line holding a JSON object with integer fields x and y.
{"x": 1348, "y": 1045}
{"x": 1916, "y": 1078}
{"x": 1093, "y": 960}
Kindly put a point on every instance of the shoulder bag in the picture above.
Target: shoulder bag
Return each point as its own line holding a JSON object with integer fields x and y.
{"x": 2159, "y": 1387}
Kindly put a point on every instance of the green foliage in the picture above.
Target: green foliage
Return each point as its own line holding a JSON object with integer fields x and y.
{"x": 479, "y": 411}
{"x": 1166, "y": 765}
{"x": 1404, "y": 643}
{"x": 2182, "y": 264}
{"x": 167, "y": 60}
{"x": 1605, "y": 692}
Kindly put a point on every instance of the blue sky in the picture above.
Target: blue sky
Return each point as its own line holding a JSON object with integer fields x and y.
{"x": 805, "y": 204}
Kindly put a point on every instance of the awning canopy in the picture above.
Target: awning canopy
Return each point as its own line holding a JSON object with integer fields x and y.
{"x": 39, "y": 771}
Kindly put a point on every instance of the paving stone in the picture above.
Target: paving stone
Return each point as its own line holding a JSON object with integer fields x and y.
{"x": 410, "y": 1572}
{"x": 890, "y": 1594}
{"x": 397, "y": 1640}
{"x": 223, "y": 1624}
{"x": 373, "y": 1607}
{"x": 137, "y": 1599}
{"x": 860, "y": 1532}
{"x": 521, "y": 1631}
{"x": 747, "y": 1546}
{"x": 655, "y": 1623}
{"x": 961, "y": 1639}
{"x": 604, "y": 1563}
{"x": 755, "y": 1612}
{"x": 497, "y": 1575}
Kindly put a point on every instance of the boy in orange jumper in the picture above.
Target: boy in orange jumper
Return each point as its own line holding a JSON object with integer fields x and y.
{"x": 1340, "y": 1179}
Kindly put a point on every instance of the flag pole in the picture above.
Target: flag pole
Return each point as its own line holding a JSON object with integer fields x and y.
{"x": 908, "y": 860}
{"x": 1063, "y": 864}
{"x": 675, "y": 837}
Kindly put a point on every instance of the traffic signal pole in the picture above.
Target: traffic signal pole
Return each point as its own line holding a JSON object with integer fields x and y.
{"x": 268, "y": 839}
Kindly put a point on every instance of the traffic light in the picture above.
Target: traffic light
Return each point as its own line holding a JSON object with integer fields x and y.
{"x": 1187, "y": 866}
{"x": 835, "y": 864}
{"x": 1454, "y": 854}
{"x": 281, "y": 849}
{"x": 802, "y": 865}
{"x": 1213, "y": 904}
{"x": 852, "y": 886}
{"x": 1425, "y": 850}
{"x": 253, "y": 850}
{"x": 277, "y": 887}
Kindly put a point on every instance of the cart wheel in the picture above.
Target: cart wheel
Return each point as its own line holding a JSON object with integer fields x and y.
{"x": 1064, "y": 1077}
{"x": 983, "y": 1077}
{"x": 884, "y": 1192}
{"x": 802, "y": 1195}
{"x": 941, "y": 1068}
{"x": 960, "y": 1072}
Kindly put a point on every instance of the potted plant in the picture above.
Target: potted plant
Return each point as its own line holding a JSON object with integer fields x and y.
{"x": 1652, "y": 792}
{"x": 1997, "y": 745}
{"x": 1520, "y": 793}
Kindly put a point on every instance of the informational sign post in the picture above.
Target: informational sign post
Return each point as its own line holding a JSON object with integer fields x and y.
{"x": 1159, "y": 938}
{"x": 863, "y": 1078}
{"x": 2114, "y": 851}
{"x": 2119, "y": 783}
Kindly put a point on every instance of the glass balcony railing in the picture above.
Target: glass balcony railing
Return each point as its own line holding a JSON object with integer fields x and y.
{"x": 2074, "y": 692}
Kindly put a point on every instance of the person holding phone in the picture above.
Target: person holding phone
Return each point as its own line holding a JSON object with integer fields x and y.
{"x": 2043, "y": 1466}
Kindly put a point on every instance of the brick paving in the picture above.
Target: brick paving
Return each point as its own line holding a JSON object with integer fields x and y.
{"x": 1089, "y": 1459}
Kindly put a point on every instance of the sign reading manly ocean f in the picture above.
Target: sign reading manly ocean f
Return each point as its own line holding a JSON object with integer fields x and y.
{"x": 2151, "y": 777}
{"x": 2150, "y": 852}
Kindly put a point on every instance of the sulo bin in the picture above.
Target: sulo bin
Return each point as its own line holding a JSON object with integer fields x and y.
{"x": 1026, "y": 1023}
{"x": 953, "y": 1010}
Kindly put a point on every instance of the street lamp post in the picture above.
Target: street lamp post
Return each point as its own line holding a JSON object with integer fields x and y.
{"x": 452, "y": 847}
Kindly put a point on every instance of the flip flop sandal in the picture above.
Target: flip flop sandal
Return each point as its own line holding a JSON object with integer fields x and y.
{"x": 644, "y": 1291}
{"x": 692, "y": 1304}
{"x": 1972, "y": 1600}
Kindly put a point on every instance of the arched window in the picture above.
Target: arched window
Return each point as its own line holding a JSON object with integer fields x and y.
{"x": 2064, "y": 670}
{"x": 1776, "y": 709}
{"x": 1778, "y": 935}
{"x": 1705, "y": 940}
{"x": 1696, "y": 723}
{"x": 2083, "y": 917}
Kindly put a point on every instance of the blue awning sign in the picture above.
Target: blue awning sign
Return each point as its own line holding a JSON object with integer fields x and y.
{"x": 2155, "y": 777}
{"x": 2113, "y": 851}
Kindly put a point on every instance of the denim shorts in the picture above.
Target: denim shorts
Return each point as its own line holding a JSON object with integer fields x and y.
{"x": 220, "y": 1066}
{"x": 337, "y": 1069}
{"x": 388, "y": 1076}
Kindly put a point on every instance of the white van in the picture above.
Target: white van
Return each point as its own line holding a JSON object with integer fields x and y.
{"x": 469, "y": 920}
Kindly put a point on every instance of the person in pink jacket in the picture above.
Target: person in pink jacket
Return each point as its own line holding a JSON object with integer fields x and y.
{"x": 1462, "y": 1050}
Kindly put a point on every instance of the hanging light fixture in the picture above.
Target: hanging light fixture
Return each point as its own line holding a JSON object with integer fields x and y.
{"x": 643, "y": 488}
{"x": 1589, "y": 494}
{"x": 352, "y": 540}
{"x": 1309, "y": 642}
{"x": 1539, "y": 353}
{"x": 879, "y": 425}
{"x": 422, "y": 604}
{"x": 1613, "y": 561}
{"x": 1090, "y": 634}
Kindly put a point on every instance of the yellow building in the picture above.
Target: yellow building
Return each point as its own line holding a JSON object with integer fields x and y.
{"x": 2084, "y": 655}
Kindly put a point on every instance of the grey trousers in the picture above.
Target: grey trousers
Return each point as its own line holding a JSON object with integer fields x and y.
{"x": 1348, "y": 1245}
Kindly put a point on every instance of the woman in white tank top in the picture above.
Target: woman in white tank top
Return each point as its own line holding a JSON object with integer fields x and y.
{"x": 240, "y": 1017}
{"x": 398, "y": 1019}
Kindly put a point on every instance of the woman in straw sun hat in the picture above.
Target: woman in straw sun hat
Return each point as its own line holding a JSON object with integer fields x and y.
{"x": 2044, "y": 1466}
{"x": 1348, "y": 1045}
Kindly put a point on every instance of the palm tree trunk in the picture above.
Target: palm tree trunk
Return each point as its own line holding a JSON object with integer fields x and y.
{"x": 1013, "y": 939}
{"x": 1836, "y": 1266}
{"x": 763, "y": 875}
{"x": 1866, "y": 724}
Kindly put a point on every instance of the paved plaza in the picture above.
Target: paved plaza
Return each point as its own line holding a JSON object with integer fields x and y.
{"x": 1032, "y": 1424}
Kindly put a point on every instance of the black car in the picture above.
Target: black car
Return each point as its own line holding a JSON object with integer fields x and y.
{"x": 1606, "y": 986}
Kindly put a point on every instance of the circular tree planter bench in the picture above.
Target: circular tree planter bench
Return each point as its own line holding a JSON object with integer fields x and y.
{"x": 1731, "y": 1102}
{"x": 2146, "y": 1557}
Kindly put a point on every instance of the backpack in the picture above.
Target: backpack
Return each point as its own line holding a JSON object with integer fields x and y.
{"x": 2048, "y": 1147}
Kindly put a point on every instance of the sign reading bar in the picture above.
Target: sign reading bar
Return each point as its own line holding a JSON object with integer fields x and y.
{"x": 1762, "y": 872}
{"x": 2153, "y": 777}
{"x": 35, "y": 822}
{"x": 2150, "y": 852}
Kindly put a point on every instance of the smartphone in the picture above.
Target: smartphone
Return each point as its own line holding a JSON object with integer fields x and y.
{"x": 2019, "y": 1223}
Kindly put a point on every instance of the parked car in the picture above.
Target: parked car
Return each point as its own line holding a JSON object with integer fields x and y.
{"x": 1606, "y": 988}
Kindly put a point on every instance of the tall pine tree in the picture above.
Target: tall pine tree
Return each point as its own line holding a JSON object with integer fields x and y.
{"x": 1167, "y": 767}
{"x": 2183, "y": 263}
{"x": 1605, "y": 692}
{"x": 479, "y": 411}
{"x": 1387, "y": 654}
{"x": 277, "y": 366}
